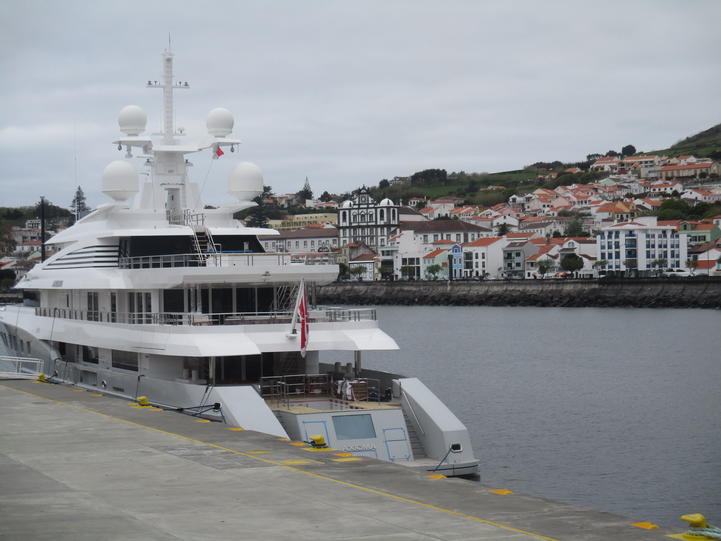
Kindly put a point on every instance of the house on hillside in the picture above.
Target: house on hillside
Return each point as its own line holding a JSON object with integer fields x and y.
{"x": 483, "y": 258}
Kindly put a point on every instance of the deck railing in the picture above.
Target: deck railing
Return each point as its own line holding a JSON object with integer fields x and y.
{"x": 225, "y": 259}
{"x": 20, "y": 367}
{"x": 328, "y": 315}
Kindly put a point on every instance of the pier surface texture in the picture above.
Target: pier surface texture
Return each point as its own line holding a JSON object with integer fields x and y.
{"x": 77, "y": 465}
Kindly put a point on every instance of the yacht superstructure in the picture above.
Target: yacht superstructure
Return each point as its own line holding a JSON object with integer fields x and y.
{"x": 156, "y": 295}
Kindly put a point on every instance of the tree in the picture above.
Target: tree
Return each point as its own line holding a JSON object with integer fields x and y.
{"x": 356, "y": 271}
{"x": 384, "y": 184}
{"x": 659, "y": 264}
{"x": 544, "y": 267}
{"x": 571, "y": 263}
{"x": 408, "y": 271}
{"x": 692, "y": 265}
{"x": 305, "y": 192}
{"x": 628, "y": 150}
{"x": 631, "y": 265}
{"x": 258, "y": 216}
{"x": 502, "y": 230}
{"x": 325, "y": 196}
{"x": 575, "y": 228}
{"x": 78, "y": 205}
{"x": 433, "y": 270}
{"x": 611, "y": 154}
{"x": 342, "y": 271}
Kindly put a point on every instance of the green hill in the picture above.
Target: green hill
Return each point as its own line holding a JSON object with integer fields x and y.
{"x": 704, "y": 144}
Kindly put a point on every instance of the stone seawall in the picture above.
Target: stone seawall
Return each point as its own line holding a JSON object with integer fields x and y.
{"x": 657, "y": 293}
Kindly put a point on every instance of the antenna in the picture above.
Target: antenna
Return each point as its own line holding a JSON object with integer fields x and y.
{"x": 169, "y": 47}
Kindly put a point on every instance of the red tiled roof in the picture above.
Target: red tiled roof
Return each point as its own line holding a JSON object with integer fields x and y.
{"x": 434, "y": 253}
{"x": 684, "y": 167}
{"x": 484, "y": 241}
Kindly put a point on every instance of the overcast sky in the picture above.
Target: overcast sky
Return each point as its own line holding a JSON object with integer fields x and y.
{"x": 347, "y": 93}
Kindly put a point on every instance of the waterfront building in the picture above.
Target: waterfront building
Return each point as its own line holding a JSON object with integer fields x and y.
{"x": 298, "y": 221}
{"x": 483, "y": 258}
{"x": 361, "y": 219}
{"x": 515, "y": 255}
{"x": 297, "y": 241}
{"x": 640, "y": 245}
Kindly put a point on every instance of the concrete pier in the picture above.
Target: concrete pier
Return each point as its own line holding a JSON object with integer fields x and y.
{"x": 77, "y": 465}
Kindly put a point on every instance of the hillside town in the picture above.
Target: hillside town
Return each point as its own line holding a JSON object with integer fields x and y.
{"x": 608, "y": 227}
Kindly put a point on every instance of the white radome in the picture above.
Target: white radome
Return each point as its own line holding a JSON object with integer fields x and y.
{"x": 220, "y": 122}
{"x": 120, "y": 180}
{"x": 132, "y": 120}
{"x": 347, "y": 204}
{"x": 245, "y": 181}
{"x": 386, "y": 203}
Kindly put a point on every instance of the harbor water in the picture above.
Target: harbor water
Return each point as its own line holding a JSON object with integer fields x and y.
{"x": 616, "y": 409}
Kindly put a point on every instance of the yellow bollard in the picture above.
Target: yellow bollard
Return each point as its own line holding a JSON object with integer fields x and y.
{"x": 41, "y": 378}
{"x": 318, "y": 440}
{"x": 695, "y": 520}
{"x": 143, "y": 401}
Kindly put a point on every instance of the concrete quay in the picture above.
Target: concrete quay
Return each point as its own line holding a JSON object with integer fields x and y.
{"x": 77, "y": 465}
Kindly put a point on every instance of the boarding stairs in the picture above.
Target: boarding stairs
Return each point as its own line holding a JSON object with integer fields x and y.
{"x": 203, "y": 244}
{"x": 12, "y": 367}
{"x": 416, "y": 445}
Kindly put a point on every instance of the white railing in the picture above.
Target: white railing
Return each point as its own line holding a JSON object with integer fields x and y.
{"x": 225, "y": 259}
{"x": 325, "y": 315}
{"x": 20, "y": 367}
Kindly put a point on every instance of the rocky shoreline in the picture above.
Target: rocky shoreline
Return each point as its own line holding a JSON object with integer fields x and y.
{"x": 642, "y": 293}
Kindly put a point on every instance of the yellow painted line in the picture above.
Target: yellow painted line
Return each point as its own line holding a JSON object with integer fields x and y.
{"x": 299, "y": 443}
{"x": 344, "y": 454}
{"x": 153, "y": 409}
{"x": 369, "y": 490}
{"x": 354, "y": 459}
{"x": 283, "y": 439}
{"x": 236, "y": 428}
{"x": 202, "y": 421}
{"x": 298, "y": 462}
{"x": 501, "y": 491}
{"x": 78, "y": 390}
{"x": 436, "y": 476}
{"x": 258, "y": 452}
{"x": 318, "y": 449}
{"x": 95, "y": 394}
{"x": 645, "y": 525}
{"x": 684, "y": 536}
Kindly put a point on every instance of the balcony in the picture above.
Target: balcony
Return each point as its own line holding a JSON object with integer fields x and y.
{"x": 325, "y": 315}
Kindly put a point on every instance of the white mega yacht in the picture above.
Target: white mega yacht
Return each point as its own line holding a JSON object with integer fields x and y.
{"x": 155, "y": 295}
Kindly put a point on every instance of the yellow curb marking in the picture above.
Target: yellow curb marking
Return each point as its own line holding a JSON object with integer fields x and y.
{"x": 501, "y": 491}
{"x": 95, "y": 394}
{"x": 311, "y": 474}
{"x": 436, "y": 476}
{"x": 344, "y": 454}
{"x": 258, "y": 452}
{"x": 236, "y": 428}
{"x": 78, "y": 390}
{"x": 299, "y": 443}
{"x": 298, "y": 462}
{"x": 645, "y": 525}
{"x": 318, "y": 449}
{"x": 202, "y": 421}
{"x": 283, "y": 439}
{"x": 354, "y": 459}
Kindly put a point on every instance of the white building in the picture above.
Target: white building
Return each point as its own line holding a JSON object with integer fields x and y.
{"x": 363, "y": 220}
{"x": 483, "y": 258}
{"x": 637, "y": 244}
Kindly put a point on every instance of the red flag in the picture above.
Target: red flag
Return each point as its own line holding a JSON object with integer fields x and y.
{"x": 219, "y": 151}
{"x": 303, "y": 317}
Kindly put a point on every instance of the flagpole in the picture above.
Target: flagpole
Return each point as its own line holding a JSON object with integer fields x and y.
{"x": 293, "y": 321}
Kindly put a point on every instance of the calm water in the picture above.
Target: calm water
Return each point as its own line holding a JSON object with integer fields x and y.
{"x": 616, "y": 409}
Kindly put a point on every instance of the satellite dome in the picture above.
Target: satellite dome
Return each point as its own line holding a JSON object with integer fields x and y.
{"x": 120, "y": 180}
{"x": 220, "y": 122}
{"x": 386, "y": 203}
{"x": 245, "y": 181}
{"x": 132, "y": 120}
{"x": 347, "y": 204}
